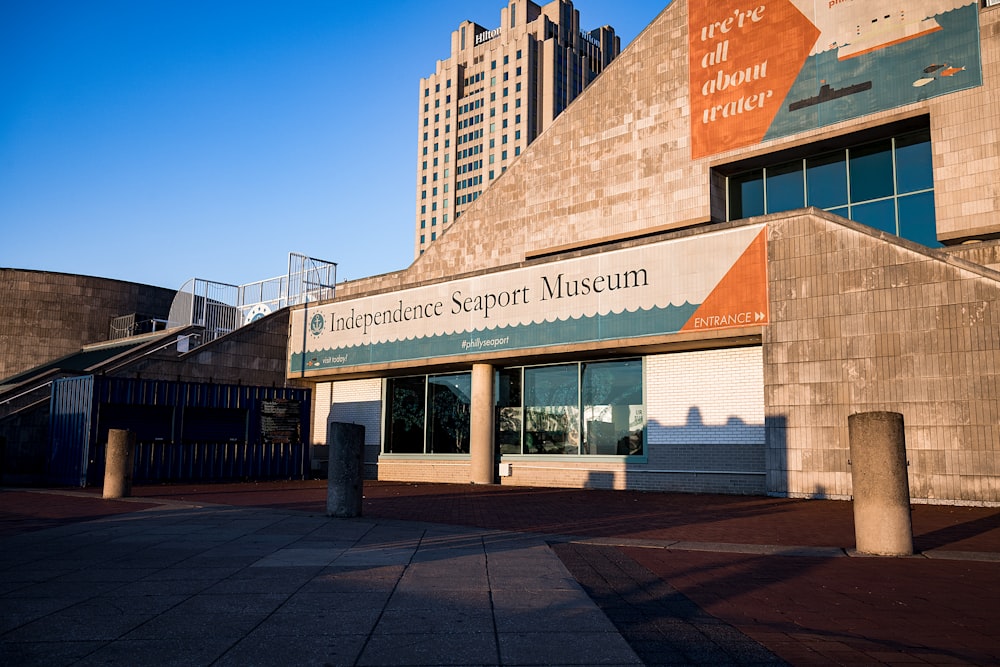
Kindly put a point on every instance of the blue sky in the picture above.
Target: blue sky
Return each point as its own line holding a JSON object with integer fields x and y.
{"x": 160, "y": 140}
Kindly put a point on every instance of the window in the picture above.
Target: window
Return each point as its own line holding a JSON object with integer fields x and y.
{"x": 428, "y": 414}
{"x": 887, "y": 184}
{"x": 405, "y": 398}
{"x": 593, "y": 408}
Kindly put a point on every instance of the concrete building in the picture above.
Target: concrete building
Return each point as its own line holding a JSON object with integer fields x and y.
{"x": 46, "y": 315}
{"x": 497, "y": 91}
{"x": 757, "y": 222}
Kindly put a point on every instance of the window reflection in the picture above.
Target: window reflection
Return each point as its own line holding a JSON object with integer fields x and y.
{"x": 916, "y": 218}
{"x": 448, "y": 428}
{"x": 509, "y": 410}
{"x": 785, "y": 187}
{"x": 405, "y": 416}
{"x": 746, "y": 195}
{"x": 914, "y": 170}
{"x": 879, "y": 214}
{"x": 871, "y": 171}
{"x": 551, "y": 410}
{"x": 826, "y": 180}
{"x": 579, "y": 408}
{"x": 612, "y": 408}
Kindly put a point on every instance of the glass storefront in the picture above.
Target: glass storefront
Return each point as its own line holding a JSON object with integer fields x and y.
{"x": 586, "y": 408}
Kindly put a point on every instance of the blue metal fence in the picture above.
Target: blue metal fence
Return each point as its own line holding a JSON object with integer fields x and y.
{"x": 176, "y": 434}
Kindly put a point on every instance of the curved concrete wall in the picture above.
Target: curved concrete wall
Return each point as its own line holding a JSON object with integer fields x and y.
{"x": 47, "y": 315}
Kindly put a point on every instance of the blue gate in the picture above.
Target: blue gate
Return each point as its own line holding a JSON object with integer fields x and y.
{"x": 71, "y": 412}
{"x": 185, "y": 431}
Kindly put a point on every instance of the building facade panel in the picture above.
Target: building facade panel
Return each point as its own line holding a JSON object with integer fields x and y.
{"x": 923, "y": 343}
{"x": 48, "y": 315}
{"x": 360, "y": 402}
{"x": 863, "y": 310}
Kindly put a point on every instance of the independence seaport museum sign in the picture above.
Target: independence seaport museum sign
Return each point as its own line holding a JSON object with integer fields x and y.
{"x": 700, "y": 283}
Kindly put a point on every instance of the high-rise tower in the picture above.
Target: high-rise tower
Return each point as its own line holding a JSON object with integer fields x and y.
{"x": 499, "y": 89}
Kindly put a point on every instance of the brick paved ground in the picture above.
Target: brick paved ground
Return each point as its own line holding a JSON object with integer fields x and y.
{"x": 805, "y": 610}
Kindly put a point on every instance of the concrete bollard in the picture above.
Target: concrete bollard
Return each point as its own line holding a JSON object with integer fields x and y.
{"x": 345, "y": 470}
{"x": 118, "y": 464}
{"x": 881, "y": 489}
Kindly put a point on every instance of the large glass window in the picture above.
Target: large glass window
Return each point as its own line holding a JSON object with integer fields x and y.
{"x": 826, "y": 180}
{"x": 574, "y": 409}
{"x": 785, "y": 187}
{"x": 613, "y": 417}
{"x": 551, "y": 410}
{"x": 746, "y": 195}
{"x": 871, "y": 171}
{"x": 887, "y": 184}
{"x": 404, "y": 410}
{"x": 428, "y": 414}
{"x": 448, "y": 423}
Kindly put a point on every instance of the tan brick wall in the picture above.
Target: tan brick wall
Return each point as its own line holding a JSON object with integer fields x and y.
{"x": 862, "y": 321}
{"x": 393, "y": 469}
{"x": 254, "y": 354}
{"x": 618, "y": 162}
{"x": 46, "y": 315}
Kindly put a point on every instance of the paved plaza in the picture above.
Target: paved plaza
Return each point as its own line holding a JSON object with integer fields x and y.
{"x": 257, "y": 574}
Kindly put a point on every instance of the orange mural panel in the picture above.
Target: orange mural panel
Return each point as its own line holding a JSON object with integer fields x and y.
{"x": 743, "y": 60}
{"x": 740, "y": 298}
